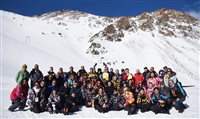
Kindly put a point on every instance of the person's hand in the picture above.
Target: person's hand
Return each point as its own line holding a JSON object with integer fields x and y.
{"x": 73, "y": 103}
{"x": 161, "y": 101}
{"x": 177, "y": 99}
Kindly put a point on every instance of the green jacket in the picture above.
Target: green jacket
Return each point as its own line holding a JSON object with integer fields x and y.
{"x": 21, "y": 75}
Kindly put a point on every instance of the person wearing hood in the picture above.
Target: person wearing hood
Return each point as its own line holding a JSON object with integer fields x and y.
{"x": 22, "y": 74}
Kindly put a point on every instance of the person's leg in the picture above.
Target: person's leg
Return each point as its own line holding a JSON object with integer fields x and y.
{"x": 15, "y": 104}
{"x": 155, "y": 108}
{"x": 22, "y": 104}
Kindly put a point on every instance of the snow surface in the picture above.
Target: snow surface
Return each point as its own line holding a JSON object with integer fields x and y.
{"x": 33, "y": 40}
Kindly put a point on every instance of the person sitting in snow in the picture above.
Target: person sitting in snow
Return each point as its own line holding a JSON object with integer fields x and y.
{"x": 53, "y": 102}
{"x": 34, "y": 98}
{"x": 143, "y": 101}
{"x": 129, "y": 102}
{"x": 101, "y": 101}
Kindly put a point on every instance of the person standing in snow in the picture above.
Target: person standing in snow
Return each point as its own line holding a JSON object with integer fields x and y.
{"x": 35, "y": 75}
{"x": 22, "y": 74}
{"x": 138, "y": 77}
{"x": 127, "y": 75}
{"x": 81, "y": 72}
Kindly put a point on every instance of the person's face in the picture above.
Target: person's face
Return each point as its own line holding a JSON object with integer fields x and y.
{"x": 100, "y": 91}
{"x": 54, "y": 92}
{"x": 111, "y": 69}
{"x": 51, "y": 69}
{"x": 109, "y": 83}
{"x": 65, "y": 84}
{"x": 171, "y": 83}
{"x": 162, "y": 85}
{"x": 42, "y": 84}
{"x": 169, "y": 72}
{"x": 73, "y": 95}
{"x": 50, "y": 77}
{"x": 72, "y": 77}
{"x": 142, "y": 91}
{"x": 137, "y": 71}
{"x": 140, "y": 84}
{"x": 152, "y": 74}
{"x": 114, "y": 78}
{"x": 37, "y": 85}
{"x": 54, "y": 83}
{"x": 117, "y": 71}
{"x": 61, "y": 69}
{"x": 75, "y": 84}
{"x": 71, "y": 68}
{"x": 89, "y": 86}
{"x": 36, "y": 67}
{"x": 127, "y": 71}
{"x": 156, "y": 91}
{"x": 115, "y": 93}
{"x": 98, "y": 83}
{"x": 150, "y": 85}
{"x": 151, "y": 69}
{"x": 82, "y": 67}
{"x": 24, "y": 82}
{"x": 145, "y": 70}
{"x": 173, "y": 91}
{"x": 106, "y": 70}
{"x": 23, "y": 69}
{"x": 165, "y": 69}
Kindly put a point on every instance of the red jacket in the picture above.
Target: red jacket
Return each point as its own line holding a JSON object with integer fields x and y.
{"x": 138, "y": 77}
{"x": 126, "y": 76}
{"x": 18, "y": 92}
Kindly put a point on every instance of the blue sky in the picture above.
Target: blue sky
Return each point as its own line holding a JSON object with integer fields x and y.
{"x": 99, "y": 7}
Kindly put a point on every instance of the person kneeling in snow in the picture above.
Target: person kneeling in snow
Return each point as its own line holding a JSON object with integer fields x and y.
{"x": 53, "y": 102}
{"x": 178, "y": 95}
{"x": 159, "y": 102}
{"x": 101, "y": 101}
{"x": 34, "y": 98}
{"x": 129, "y": 102}
{"x": 19, "y": 95}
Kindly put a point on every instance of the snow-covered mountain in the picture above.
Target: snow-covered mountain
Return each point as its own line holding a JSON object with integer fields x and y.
{"x": 72, "y": 38}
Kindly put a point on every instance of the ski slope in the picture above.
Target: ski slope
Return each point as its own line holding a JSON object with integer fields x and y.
{"x": 42, "y": 40}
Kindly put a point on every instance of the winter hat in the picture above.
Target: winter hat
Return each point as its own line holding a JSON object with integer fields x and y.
{"x": 24, "y": 66}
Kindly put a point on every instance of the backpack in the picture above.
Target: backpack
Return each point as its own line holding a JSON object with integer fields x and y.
{"x": 179, "y": 84}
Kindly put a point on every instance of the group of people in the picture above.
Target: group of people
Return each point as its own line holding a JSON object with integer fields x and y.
{"x": 66, "y": 92}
